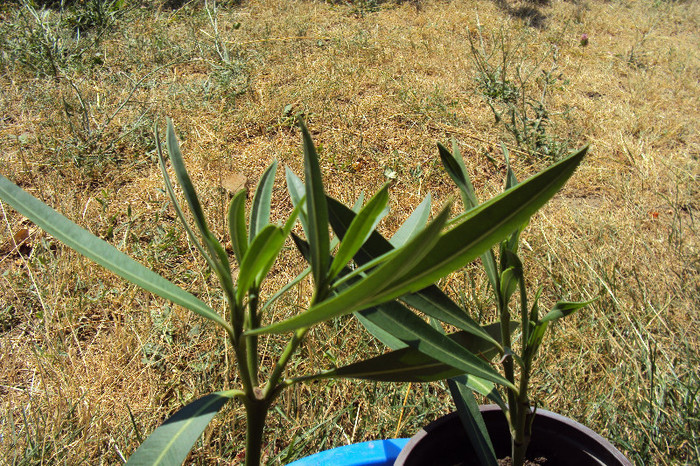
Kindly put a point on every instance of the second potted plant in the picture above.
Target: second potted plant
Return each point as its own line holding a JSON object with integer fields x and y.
{"x": 511, "y": 428}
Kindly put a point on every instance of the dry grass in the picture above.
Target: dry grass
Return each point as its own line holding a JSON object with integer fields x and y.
{"x": 80, "y": 350}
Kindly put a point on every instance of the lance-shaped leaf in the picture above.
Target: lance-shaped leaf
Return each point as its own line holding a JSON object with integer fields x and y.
{"x": 316, "y": 211}
{"x": 261, "y": 254}
{"x": 379, "y": 333}
{"x": 410, "y": 365}
{"x": 433, "y": 302}
{"x": 473, "y": 422}
{"x": 563, "y": 309}
{"x": 511, "y": 180}
{"x": 211, "y": 260}
{"x": 416, "y": 333}
{"x": 216, "y": 251}
{"x": 361, "y": 294}
{"x": 480, "y": 228}
{"x": 260, "y": 211}
{"x": 172, "y": 441}
{"x": 560, "y": 309}
{"x": 297, "y": 193}
{"x": 259, "y": 258}
{"x": 509, "y": 283}
{"x": 454, "y": 165}
{"x": 403, "y": 365}
{"x": 101, "y": 252}
{"x": 361, "y": 226}
{"x": 413, "y": 224}
{"x": 236, "y": 226}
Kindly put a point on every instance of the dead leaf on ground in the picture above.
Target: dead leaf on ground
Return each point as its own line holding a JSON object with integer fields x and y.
{"x": 234, "y": 182}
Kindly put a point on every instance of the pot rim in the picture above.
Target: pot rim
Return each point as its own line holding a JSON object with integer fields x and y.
{"x": 564, "y": 426}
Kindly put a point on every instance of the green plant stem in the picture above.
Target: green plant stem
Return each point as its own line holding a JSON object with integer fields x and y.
{"x": 251, "y": 341}
{"x": 289, "y": 350}
{"x": 507, "y": 358}
{"x": 256, "y": 413}
{"x": 522, "y": 422}
{"x": 524, "y": 319}
{"x": 521, "y": 410}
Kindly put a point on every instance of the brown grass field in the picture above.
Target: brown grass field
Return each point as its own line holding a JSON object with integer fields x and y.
{"x": 89, "y": 364}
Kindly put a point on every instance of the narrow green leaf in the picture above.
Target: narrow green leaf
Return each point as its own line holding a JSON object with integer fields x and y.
{"x": 217, "y": 254}
{"x": 317, "y": 211}
{"x": 285, "y": 288}
{"x": 215, "y": 248}
{"x": 358, "y": 203}
{"x": 488, "y": 260}
{"x": 259, "y": 259}
{"x": 176, "y": 205}
{"x": 473, "y": 422}
{"x": 413, "y": 224}
{"x": 403, "y": 365}
{"x": 535, "y": 309}
{"x": 535, "y": 339}
{"x": 237, "y": 227}
{"x": 483, "y": 226}
{"x": 362, "y": 225}
{"x": 379, "y": 333}
{"x": 454, "y": 165}
{"x": 297, "y": 191}
{"x": 172, "y": 441}
{"x": 563, "y": 309}
{"x": 509, "y": 283}
{"x": 486, "y": 388}
{"x": 102, "y": 252}
{"x": 511, "y": 180}
{"x": 260, "y": 211}
{"x": 433, "y": 302}
{"x": 459, "y": 352}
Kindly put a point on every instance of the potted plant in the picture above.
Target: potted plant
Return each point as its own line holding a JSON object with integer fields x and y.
{"x": 420, "y": 254}
{"x": 484, "y": 434}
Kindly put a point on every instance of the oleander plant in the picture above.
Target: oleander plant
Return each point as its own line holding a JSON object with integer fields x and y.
{"x": 356, "y": 270}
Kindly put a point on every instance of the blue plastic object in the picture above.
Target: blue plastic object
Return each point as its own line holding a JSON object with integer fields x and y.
{"x": 373, "y": 453}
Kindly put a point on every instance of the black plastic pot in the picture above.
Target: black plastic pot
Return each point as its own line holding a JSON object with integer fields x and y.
{"x": 560, "y": 440}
